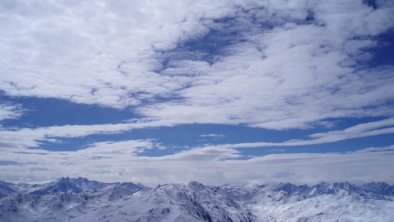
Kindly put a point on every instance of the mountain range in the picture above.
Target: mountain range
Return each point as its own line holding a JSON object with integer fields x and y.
{"x": 80, "y": 199}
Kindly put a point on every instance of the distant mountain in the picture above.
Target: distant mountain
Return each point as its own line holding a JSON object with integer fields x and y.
{"x": 79, "y": 199}
{"x": 6, "y": 189}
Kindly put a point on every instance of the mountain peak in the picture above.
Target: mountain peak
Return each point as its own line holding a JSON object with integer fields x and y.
{"x": 196, "y": 185}
{"x": 70, "y": 185}
{"x": 68, "y": 197}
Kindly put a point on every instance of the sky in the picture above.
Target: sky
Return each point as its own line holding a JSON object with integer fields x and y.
{"x": 227, "y": 91}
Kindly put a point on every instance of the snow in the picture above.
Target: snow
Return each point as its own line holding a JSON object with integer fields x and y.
{"x": 79, "y": 199}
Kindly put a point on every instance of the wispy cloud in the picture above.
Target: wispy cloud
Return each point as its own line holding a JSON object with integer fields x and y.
{"x": 123, "y": 160}
{"x": 211, "y": 136}
{"x": 114, "y": 161}
{"x": 375, "y": 128}
{"x": 33, "y": 137}
{"x": 10, "y": 111}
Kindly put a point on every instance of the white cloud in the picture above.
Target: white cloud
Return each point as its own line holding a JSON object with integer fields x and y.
{"x": 211, "y": 136}
{"x": 293, "y": 75}
{"x": 375, "y": 128}
{"x": 93, "y": 52}
{"x": 285, "y": 73}
{"x": 10, "y": 111}
{"x": 118, "y": 148}
{"x": 118, "y": 161}
{"x": 33, "y": 137}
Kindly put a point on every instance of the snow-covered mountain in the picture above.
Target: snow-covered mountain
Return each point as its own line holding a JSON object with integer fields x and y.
{"x": 80, "y": 199}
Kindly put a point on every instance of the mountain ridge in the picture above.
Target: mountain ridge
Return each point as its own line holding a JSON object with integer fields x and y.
{"x": 80, "y": 199}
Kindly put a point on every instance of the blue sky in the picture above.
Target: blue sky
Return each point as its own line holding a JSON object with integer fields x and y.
{"x": 210, "y": 92}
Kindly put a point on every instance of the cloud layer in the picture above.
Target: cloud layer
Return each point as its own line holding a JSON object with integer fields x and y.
{"x": 269, "y": 64}
{"x": 266, "y": 64}
{"x": 119, "y": 161}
